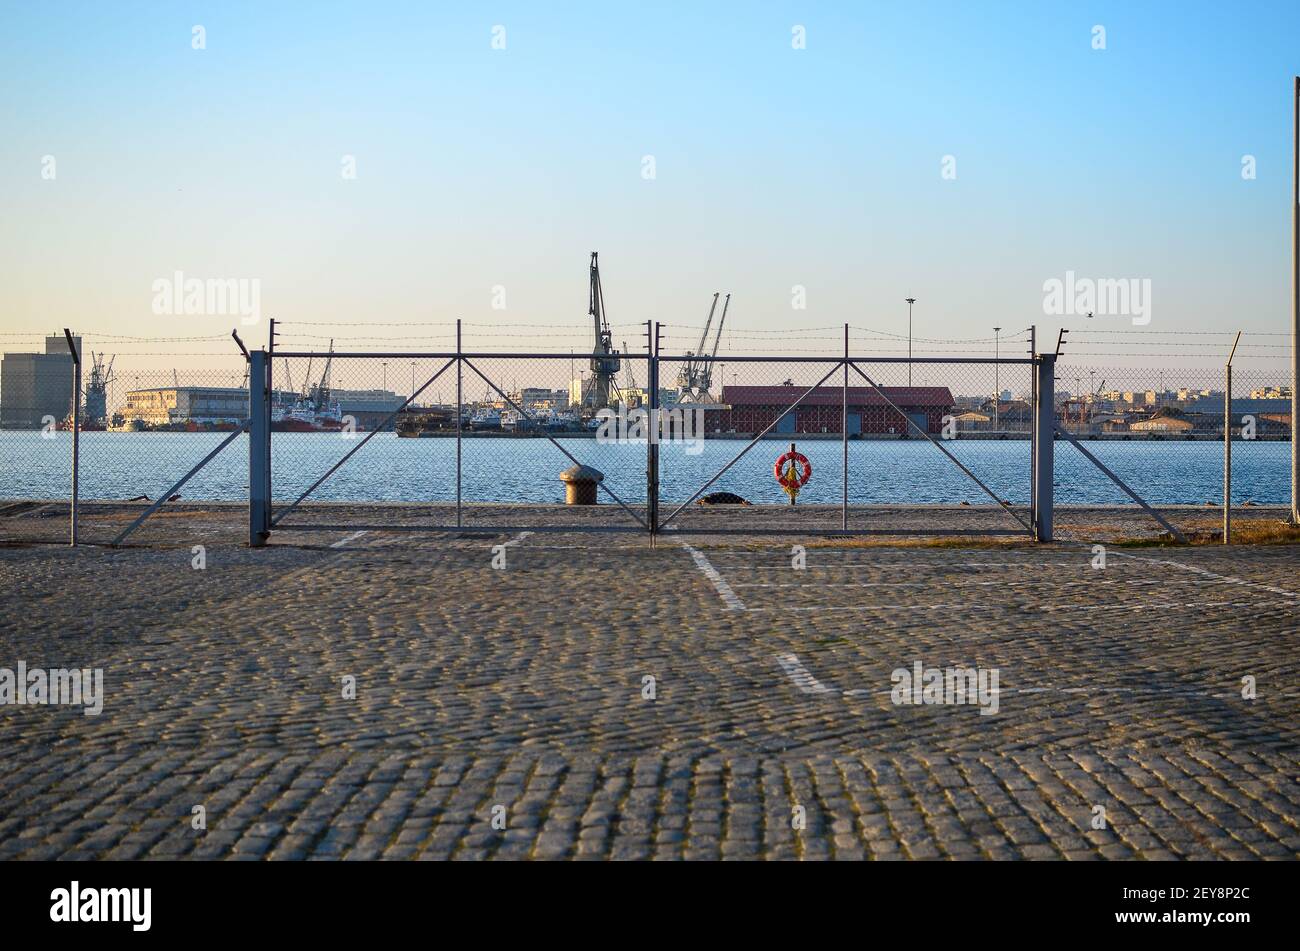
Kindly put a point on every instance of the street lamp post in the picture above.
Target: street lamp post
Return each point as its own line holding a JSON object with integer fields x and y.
{"x": 910, "y": 302}
{"x": 997, "y": 384}
{"x": 1295, "y": 308}
{"x": 1078, "y": 395}
{"x": 1092, "y": 396}
{"x": 385, "y": 383}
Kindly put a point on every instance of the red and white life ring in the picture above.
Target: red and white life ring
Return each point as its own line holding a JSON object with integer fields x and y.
{"x": 801, "y": 475}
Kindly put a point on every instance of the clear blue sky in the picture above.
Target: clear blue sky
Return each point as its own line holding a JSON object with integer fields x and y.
{"x": 775, "y": 167}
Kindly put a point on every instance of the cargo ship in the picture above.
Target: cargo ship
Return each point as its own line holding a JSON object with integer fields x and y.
{"x": 312, "y": 411}
{"x": 307, "y": 416}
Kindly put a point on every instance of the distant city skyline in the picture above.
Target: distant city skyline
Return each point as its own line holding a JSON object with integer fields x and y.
{"x": 399, "y": 164}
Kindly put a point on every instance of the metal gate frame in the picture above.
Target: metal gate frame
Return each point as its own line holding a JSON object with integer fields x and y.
{"x": 848, "y": 362}
{"x": 268, "y": 519}
{"x": 1043, "y": 434}
{"x": 257, "y": 365}
{"x": 263, "y": 518}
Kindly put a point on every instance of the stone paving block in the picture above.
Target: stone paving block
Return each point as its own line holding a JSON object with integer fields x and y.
{"x": 503, "y": 696}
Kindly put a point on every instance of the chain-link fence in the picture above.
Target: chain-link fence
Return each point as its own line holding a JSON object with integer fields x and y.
{"x": 479, "y": 443}
{"x": 140, "y": 430}
{"x": 890, "y": 445}
{"x": 1162, "y": 433}
{"x": 932, "y": 442}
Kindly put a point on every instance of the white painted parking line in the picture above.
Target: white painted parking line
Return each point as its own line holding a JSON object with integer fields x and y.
{"x": 1225, "y": 579}
{"x": 350, "y": 538}
{"x": 966, "y": 606}
{"x": 962, "y": 584}
{"x": 807, "y": 683}
{"x": 905, "y": 565}
{"x": 796, "y": 671}
{"x": 728, "y": 596}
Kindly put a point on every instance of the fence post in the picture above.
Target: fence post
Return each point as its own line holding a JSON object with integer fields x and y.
{"x": 1227, "y": 443}
{"x": 1033, "y": 429}
{"x": 1044, "y": 444}
{"x": 1295, "y": 308}
{"x": 75, "y": 419}
{"x": 653, "y": 433}
{"x": 259, "y": 449}
{"x": 844, "y": 429}
{"x": 1227, "y": 455}
{"x": 460, "y": 382}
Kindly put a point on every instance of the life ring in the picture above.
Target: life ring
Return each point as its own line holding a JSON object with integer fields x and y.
{"x": 801, "y": 476}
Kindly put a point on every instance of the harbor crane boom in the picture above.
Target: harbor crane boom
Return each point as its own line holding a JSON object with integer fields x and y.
{"x": 323, "y": 391}
{"x": 631, "y": 380}
{"x": 605, "y": 362}
{"x": 696, "y": 377}
{"x": 96, "y": 391}
{"x": 688, "y": 378}
{"x": 707, "y": 374}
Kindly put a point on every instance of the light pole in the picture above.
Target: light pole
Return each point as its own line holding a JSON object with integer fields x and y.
{"x": 385, "y": 383}
{"x": 412, "y": 381}
{"x": 1078, "y": 395}
{"x": 997, "y": 384}
{"x": 1295, "y": 308}
{"x": 910, "y": 302}
{"x": 1092, "y": 396}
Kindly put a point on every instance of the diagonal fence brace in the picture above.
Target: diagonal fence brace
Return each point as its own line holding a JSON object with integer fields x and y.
{"x": 752, "y": 443}
{"x": 176, "y": 488}
{"x": 1120, "y": 482}
{"x": 957, "y": 462}
{"x": 370, "y": 435}
{"x": 554, "y": 442}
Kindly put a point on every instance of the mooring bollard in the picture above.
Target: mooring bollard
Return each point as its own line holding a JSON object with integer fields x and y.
{"x": 580, "y": 484}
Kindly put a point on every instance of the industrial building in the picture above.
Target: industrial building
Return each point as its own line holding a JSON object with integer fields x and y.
{"x": 1273, "y": 407}
{"x": 751, "y": 409}
{"x": 368, "y": 407}
{"x": 178, "y": 405}
{"x": 37, "y": 386}
{"x": 213, "y": 405}
{"x": 543, "y": 398}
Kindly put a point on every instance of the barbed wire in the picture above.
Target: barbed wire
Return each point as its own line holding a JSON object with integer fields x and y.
{"x": 363, "y": 323}
{"x": 1206, "y": 356}
{"x": 1189, "y": 333}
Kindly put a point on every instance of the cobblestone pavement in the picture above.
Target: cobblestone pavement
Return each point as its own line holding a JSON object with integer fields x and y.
{"x": 101, "y": 522}
{"x": 519, "y": 695}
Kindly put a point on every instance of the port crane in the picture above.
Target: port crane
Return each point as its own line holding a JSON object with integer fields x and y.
{"x": 605, "y": 361}
{"x": 101, "y": 377}
{"x": 629, "y": 381}
{"x": 695, "y": 379}
{"x": 1092, "y": 403}
{"x": 317, "y": 395}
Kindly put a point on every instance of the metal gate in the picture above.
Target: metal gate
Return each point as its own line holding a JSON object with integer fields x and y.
{"x": 880, "y": 421}
{"x": 439, "y": 469}
{"x": 838, "y": 410}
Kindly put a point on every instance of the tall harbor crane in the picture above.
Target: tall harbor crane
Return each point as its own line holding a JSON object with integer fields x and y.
{"x": 605, "y": 362}
{"x": 318, "y": 394}
{"x": 696, "y": 377}
{"x": 629, "y": 381}
{"x": 95, "y": 415}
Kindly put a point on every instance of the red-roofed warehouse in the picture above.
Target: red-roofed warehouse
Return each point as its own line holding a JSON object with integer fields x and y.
{"x": 750, "y": 409}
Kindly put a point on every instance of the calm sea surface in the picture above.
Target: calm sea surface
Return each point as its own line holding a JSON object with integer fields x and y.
{"x": 505, "y": 469}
